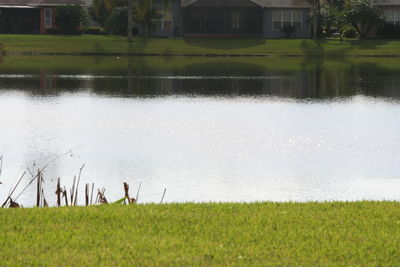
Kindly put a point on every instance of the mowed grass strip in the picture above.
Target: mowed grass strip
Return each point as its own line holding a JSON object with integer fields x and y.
{"x": 308, "y": 234}
{"x": 113, "y": 65}
{"x": 197, "y": 46}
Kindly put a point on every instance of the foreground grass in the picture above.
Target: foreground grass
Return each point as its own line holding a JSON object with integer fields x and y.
{"x": 362, "y": 233}
{"x": 201, "y": 46}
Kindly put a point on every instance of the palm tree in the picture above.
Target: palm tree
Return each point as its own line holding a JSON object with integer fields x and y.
{"x": 100, "y": 5}
{"x": 142, "y": 8}
{"x": 315, "y": 10}
{"x": 101, "y": 9}
{"x": 146, "y": 12}
{"x": 130, "y": 21}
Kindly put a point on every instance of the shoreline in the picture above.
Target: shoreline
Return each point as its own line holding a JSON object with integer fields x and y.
{"x": 99, "y": 45}
{"x": 210, "y": 55}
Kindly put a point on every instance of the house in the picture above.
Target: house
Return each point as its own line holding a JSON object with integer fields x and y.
{"x": 219, "y": 18}
{"x": 391, "y": 8}
{"x": 30, "y": 16}
{"x": 206, "y": 18}
{"x": 259, "y": 18}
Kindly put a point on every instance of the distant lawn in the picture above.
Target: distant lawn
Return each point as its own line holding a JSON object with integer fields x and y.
{"x": 311, "y": 234}
{"x": 201, "y": 46}
{"x": 107, "y": 65}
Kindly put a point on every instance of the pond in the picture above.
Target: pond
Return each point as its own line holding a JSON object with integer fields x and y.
{"x": 206, "y": 129}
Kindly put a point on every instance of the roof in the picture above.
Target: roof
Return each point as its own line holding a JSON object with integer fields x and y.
{"x": 269, "y": 3}
{"x": 38, "y": 3}
{"x": 186, "y": 3}
{"x": 282, "y": 3}
{"x": 387, "y": 2}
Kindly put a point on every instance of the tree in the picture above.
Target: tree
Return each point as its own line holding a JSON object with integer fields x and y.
{"x": 105, "y": 12}
{"x": 337, "y": 4}
{"x": 146, "y": 12}
{"x": 116, "y": 21}
{"x": 130, "y": 21}
{"x": 315, "y": 11}
{"x": 143, "y": 12}
{"x": 363, "y": 15}
{"x": 328, "y": 16}
{"x": 101, "y": 10}
{"x": 331, "y": 15}
{"x": 69, "y": 18}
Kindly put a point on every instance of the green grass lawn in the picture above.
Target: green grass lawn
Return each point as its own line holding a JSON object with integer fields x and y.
{"x": 311, "y": 234}
{"x": 216, "y": 46}
{"x": 209, "y": 66}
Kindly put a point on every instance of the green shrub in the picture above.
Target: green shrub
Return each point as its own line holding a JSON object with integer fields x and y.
{"x": 93, "y": 30}
{"x": 116, "y": 23}
{"x": 288, "y": 29}
{"x": 349, "y": 32}
{"x": 69, "y": 19}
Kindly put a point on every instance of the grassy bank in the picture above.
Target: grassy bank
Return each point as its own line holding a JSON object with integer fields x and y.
{"x": 200, "y": 46}
{"x": 191, "y": 65}
{"x": 363, "y": 233}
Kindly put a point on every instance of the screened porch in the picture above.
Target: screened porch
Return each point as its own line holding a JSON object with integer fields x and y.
{"x": 223, "y": 21}
{"x": 19, "y": 20}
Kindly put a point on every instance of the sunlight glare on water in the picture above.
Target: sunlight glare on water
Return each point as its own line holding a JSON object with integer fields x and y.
{"x": 208, "y": 148}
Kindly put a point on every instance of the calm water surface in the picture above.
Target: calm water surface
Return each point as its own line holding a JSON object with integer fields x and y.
{"x": 213, "y": 132}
